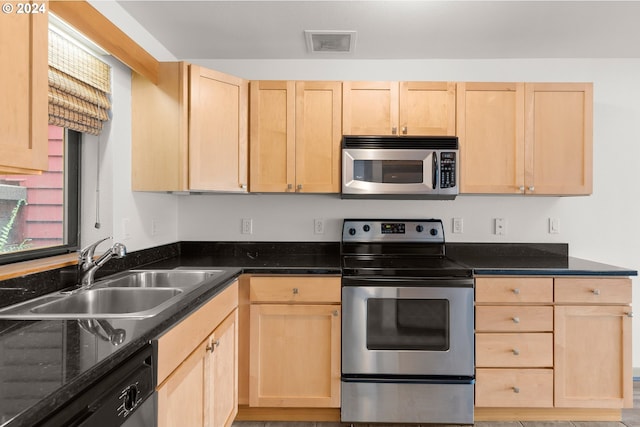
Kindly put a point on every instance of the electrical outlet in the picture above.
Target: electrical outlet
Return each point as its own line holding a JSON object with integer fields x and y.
{"x": 247, "y": 226}
{"x": 458, "y": 225}
{"x": 499, "y": 226}
{"x": 554, "y": 226}
{"x": 126, "y": 229}
{"x": 318, "y": 226}
{"x": 154, "y": 226}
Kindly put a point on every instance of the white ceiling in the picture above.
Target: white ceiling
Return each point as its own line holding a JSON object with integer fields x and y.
{"x": 394, "y": 29}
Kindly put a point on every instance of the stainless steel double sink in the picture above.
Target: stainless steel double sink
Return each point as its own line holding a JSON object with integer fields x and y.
{"x": 130, "y": 294}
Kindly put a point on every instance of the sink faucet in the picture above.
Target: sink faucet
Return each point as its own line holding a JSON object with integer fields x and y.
{"x": 88, "y": 266}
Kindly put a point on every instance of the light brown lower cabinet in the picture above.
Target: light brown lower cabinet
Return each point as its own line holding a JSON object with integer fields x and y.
{"x": 561, "y": 355}
{"x": 593, "y": 344}
{"x": 201, "y": 389}
{"x": 294, "y": 359}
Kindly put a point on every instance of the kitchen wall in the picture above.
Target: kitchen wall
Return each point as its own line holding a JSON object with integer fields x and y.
{"x": 602, "y": 227}
{"x": 107, "y": 198}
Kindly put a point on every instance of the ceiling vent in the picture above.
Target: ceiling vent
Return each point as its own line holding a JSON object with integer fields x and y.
{"x": 321, "y": 41}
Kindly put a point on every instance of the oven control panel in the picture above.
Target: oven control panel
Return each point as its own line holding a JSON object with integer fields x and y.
{"x": 362, "y": 230}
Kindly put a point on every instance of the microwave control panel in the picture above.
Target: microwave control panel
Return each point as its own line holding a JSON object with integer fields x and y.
{"x": 447, "y": 169}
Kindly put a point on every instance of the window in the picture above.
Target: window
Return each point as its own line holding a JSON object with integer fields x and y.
{"x": 39, "y": 214}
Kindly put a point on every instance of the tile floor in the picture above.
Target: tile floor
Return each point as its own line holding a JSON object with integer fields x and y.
{"x": 630, "y": 418}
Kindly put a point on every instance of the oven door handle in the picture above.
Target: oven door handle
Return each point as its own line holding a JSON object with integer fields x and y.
{"x": 447, "y": 282}
{"x": 410, "y": 380}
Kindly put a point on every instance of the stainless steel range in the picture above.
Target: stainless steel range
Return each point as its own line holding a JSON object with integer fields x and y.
{"x": 407, "y": 325}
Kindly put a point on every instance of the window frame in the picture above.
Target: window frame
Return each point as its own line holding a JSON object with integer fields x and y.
{"x": 72, "y": 198}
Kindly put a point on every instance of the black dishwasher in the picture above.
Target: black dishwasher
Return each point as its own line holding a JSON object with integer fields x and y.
{"x": 123, "y": 397}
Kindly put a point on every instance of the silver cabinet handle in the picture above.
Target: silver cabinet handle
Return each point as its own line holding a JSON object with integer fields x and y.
{"x": 394, "y": 130}
{"x": 289, "y": 187}
{"x": 516, "y": 352}
{"x": 335, "y": 313}
{"x": 404, "y": 130}
{"x": 516, "y": 291}
{"x": 532, "y": 188}
{"x": 630, "y": 314}
{"x": 516, "y": 320}
{"x": 299, "y": 187}
{"x": 243, "y": 186}
{"x": 596, "y": 291}
{"x": 521, "y": 188}
{"x": 295, "y": 291}
{"x": 516, "y": 389}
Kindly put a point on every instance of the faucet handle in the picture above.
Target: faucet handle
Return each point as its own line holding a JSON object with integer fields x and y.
{"x": 86, "y": 254}
{"x": 119, "y": 250}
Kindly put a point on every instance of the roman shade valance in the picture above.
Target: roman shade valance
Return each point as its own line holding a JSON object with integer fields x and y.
{"x": 79, "y": 87}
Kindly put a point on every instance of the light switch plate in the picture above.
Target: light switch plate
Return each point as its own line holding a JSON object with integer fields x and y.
{"x": 458, "y": 225}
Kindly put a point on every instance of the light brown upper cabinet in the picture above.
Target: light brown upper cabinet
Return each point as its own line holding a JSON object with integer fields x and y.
{"x": 295, "y": 134}
{"x": 525, "y": 138}
{"x": 399, "y": 108}
{"x": 23, "y": 85}
{"x": 189, "y": 131}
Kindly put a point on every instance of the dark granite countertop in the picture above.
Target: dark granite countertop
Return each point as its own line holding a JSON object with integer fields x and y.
{"x": 524, "y": 259}
{"x": 43, "y": 364}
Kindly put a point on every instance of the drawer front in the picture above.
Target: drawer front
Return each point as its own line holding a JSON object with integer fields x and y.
{"x": 592, "y": 290}
{"x": 294, "y": 289}
{"x": 525, "y": 388}
{"x": 514, "y": 290}
{"x": 533, "y": 350}
{"x": 515, "y": 318}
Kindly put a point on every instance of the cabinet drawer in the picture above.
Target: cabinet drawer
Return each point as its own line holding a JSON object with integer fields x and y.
{"x": 526, "y": 388}
{"x": 592, "y": 290}
{"x": 517, "y": 318}
{"x": 514, "y": 350}
{"x": 514, "y": 289}
{"x": 295, "y": 289}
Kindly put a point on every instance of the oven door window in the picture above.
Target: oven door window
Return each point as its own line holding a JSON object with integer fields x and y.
{"x": 388, "y": 171}
{"x": 408, "y": 324}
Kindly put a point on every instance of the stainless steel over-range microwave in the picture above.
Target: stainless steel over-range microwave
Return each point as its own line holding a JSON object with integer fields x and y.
{"x": 400, "y": 167}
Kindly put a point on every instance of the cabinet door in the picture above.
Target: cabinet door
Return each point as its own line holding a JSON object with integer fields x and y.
{"x": 181, "y": 398}
{"x": 318, "y": 136}
{"x": 559, "y": 138}
{"x": 490, "y": 128}
{"x": 218, "y": 146}
{"x": 427, "y": 108}
{"x": 23, "y": 85}
{"x": 222, "y": 369}
{"x": 295, "y": 356}
{"x": 593, "y": 357}
{"x": 370, "y": 108}
{"x": 272, "y": 126}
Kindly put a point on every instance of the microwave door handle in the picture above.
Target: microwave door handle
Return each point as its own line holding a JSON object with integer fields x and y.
{"x": 435, "y": 170}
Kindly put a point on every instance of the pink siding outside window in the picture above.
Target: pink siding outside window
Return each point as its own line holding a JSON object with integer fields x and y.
{"x": 40, "y": 222}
